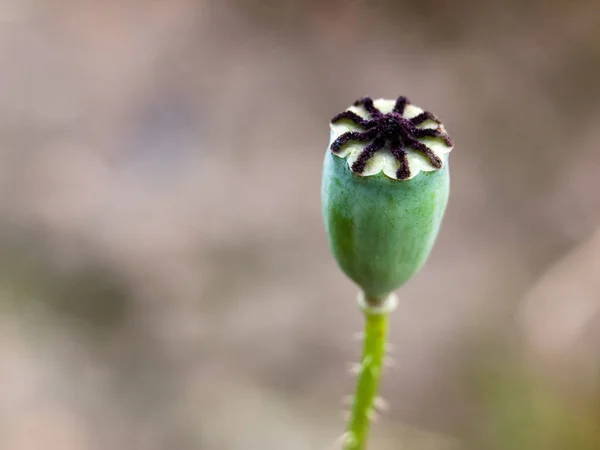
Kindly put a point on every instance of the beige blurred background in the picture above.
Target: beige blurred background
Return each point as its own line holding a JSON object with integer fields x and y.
{"x": 164, "y": 277}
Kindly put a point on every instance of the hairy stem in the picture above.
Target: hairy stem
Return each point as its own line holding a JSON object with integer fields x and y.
{"x": 369, "y": 371}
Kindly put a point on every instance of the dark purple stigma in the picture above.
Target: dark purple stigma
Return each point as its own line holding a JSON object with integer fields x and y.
{"x": 393, "y": 129}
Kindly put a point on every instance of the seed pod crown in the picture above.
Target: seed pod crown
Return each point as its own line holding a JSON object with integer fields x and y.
{"x": 393, "y": 137}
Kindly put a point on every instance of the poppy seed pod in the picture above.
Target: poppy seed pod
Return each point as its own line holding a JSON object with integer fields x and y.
{"x": 385, "y": 188}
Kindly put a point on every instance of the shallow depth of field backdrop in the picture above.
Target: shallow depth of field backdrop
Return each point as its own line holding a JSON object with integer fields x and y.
{"x": 164, "y": 277}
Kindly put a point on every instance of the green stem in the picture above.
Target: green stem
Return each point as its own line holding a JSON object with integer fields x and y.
{"x": 369, "y": 371}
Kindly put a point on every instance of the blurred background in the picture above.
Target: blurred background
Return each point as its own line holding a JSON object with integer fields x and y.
{"x": 165, "y": 281}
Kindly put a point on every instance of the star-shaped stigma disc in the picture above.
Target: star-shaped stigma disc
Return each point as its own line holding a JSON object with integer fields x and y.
{"x": 393, "y": 129}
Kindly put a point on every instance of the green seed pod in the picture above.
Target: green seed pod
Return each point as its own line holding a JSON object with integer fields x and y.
{"x": 384, "y": 191}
